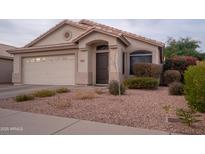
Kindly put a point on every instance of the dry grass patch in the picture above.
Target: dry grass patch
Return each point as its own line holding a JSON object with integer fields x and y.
{"x": 85, "y": 94}
{"x": 60, "y": 103}
{"x": 99, "y": 91}
{"x": 44, "y": 93}
{"x": 62, "y": 90}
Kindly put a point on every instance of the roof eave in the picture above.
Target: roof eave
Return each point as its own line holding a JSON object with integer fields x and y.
{"x": 147, "y": 41}
{"x": 124, "y": 40}
{"x": 6, "y": 57}
{"x": 42, "y": 48}
{"x": 93, "y": 29}
{"x": 83, "y": 35}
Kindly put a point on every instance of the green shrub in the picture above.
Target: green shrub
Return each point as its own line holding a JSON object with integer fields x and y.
{"x": 176, "y": 88}
{"x": 187, "y": 116}
{"x": 21, "y": 98}
{"x": 44, "y": 93}
{"x": 195, "y": 87}
{"x": 141, "y": 83}
{"x": 180, "y": 63}
{"x": 62, "y": 90}
{"x": 171, "y": 76}
{"x": 147, "y": 70}
{"x": 114, "y": 88}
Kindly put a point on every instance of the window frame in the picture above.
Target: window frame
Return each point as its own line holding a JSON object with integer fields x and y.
{"x": 139, "y": 53}
{"x": 102, "y": 47}
{"x": 123, "y": 63}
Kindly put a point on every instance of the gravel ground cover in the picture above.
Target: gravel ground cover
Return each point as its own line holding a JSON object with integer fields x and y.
{"x": 138, "y": 108}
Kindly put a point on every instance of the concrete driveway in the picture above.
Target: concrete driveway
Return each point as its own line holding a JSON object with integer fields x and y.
{"x": 23, "y": 123}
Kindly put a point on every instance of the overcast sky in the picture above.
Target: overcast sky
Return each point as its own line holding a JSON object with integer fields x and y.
{"x": 21, "y": 32}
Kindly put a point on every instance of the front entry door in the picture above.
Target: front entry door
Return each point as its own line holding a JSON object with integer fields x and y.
{"x": 102, "y": 68}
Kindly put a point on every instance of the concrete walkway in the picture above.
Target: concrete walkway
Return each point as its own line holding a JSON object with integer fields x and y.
{"x": 23, "y": 123}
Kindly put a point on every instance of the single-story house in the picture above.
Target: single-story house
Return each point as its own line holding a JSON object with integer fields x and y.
{"x": 82, "y": 53}
{"x": 6, "y": 64}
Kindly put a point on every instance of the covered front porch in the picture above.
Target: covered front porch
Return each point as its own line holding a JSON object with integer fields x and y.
{"x": 99, "y": 61}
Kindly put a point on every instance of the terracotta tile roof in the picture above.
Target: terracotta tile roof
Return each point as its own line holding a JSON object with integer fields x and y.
{"x": 88, "y": 24}
{"x": 93, "y": 28}
{"x": 115, "y": 30}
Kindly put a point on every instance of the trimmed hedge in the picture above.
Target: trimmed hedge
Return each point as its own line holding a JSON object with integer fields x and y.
{"x": 141, "y": 83}
{"x": 147, "y": 70}
{"x": 114, "y": 88}
{"x": 171, "y": 76}
{"x": 176, "y": 88}
{"x": 195, "y": 87}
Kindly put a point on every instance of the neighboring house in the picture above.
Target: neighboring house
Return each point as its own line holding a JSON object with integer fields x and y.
{"x": 83, "y": 52}
{"x": 6, "y": 64}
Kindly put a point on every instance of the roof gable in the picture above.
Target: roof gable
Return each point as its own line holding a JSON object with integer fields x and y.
{"x": 94, "y": 29}
{"x": 54, "y": 29}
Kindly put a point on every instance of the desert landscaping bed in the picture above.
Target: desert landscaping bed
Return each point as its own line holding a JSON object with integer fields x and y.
{"x": 138, "y": 108}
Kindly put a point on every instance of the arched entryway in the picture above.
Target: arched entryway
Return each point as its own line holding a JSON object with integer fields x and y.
{"x": 102, "y": 64}
{"x": 100, "y": 61}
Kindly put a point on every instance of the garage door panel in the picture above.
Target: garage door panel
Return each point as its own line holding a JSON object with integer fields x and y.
{"x": 50, "y": 70}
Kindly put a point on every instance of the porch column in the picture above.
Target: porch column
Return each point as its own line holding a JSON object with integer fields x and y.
{"x": 113, "y": 63}
{"x": 83, "y": 74}
{"x": 17, "y": 75}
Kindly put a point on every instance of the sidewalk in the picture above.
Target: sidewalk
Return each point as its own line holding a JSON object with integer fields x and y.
{"x": 23, "y": 123}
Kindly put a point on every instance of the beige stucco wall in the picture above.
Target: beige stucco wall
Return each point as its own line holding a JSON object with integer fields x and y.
{"x": 6, "y": 68}
{"x": 86, "y": 55}
{"x": 96, "y": 37}
{"x": 139, "y": 45}
{"x": 88, "y": 44}
{"x": 83, "y": 75}
{"x": 17, "y": 63}
{"x": 57, "y": 36}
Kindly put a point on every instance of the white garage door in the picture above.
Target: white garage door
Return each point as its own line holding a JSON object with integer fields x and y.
{"x": 49, "y": 70}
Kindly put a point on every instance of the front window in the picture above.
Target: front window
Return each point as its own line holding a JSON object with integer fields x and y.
{"x": 139, "y": 57}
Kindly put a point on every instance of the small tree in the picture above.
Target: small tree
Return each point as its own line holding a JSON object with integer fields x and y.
{"x": 182, "y": 47}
